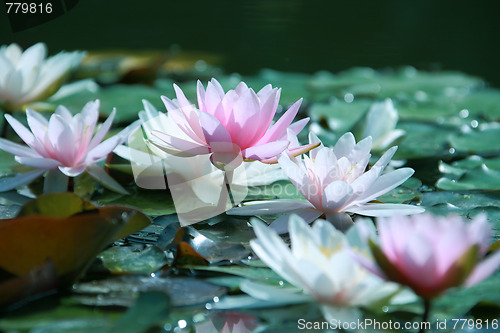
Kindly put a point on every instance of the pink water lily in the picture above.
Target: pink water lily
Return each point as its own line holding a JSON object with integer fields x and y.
{"x": 64, "y": 142}
{"x": 335, "y": 181}
{"x": 231, "y": 127}
{"x": 432, "y": 254}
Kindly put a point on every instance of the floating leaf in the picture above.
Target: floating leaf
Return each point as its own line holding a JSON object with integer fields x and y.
{"x": 483, "y": 140}
{"x": 125, "y": 98}
{"x": 126, "y": 259}
{"x": 122, "y": 290}
{"x": 65, "y": 229}
{"x": 473, "y": 173}
{"x": 151, "y": 202}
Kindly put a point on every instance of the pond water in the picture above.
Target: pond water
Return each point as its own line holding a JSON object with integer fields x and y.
{"x": 293, "y": 35}
{"x": 433, "y": 62}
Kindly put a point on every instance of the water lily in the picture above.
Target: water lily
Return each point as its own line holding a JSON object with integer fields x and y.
{"x": 380, "y": 123}
{"x": 30, "y": 76}
{"x": 198, "y": 188}
{"x": 319, "y": 263}
{"x": 230, "y": 127}
{"x": 431, "y": 254}
{"x": 64, "y": 145}
{"x": 335, "y": 181}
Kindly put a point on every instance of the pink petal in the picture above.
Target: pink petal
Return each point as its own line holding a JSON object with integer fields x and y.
{"x": 279, "y": 128}
{"x": 268, "y": 109}
{"x": 179, "y": 145}
{"x": 243, "y": 121}
{"x": 62, "y": 140}
{"x": 40, "y": 163}
{"x": 213, "y": 130}
{"x": 191, "y": 128}
{"x": 17, "y": 149}
{"x": 484, "y": 269}
{"x": 102, "y": 131}
{"x": 22, "y": 131}
{"x": 213, "y": 97}
{"x": 265, "y": 151}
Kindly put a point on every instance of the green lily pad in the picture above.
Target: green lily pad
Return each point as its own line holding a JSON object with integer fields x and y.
{"x": 122, "y": 290}
{"x": 473, "y": 173}
{"x": 120, "y": 259}
{"x": 483, "y": 140}
{"x": 424, "y": 140}
{"x": 339, "y": 116}
{"x": 153, "y": 203}
{"x": 125, "y": 98}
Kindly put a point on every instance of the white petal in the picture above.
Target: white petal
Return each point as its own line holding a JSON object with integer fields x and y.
{"x": 269, "y": 207}
{"x": 10, "y": 183}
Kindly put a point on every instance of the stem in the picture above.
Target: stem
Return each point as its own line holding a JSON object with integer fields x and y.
{"x": 55, "y": 181}
{"x": 228, "y": 178}
{"x": 425, "y": 316}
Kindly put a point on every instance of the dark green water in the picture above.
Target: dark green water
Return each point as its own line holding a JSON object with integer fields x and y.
{"x": 290, "y": 35}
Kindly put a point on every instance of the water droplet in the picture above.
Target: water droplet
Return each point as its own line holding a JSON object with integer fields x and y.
{"x": 208, "y": 306}
{"x": 348, "y": 98}
{"x": 474, "y": 124}
{"x": 385, "y": 308}
{"x": 281, "y": 283}
{"x": 167, "y": 327}
{"x": 249, "y": 257}
{"x": 451, "y": 150}
{"x": 153, "y": 275}
{"x": 182, "y": 323}
{"x": 464, "y": 113}
{"x": 216, "y": 299}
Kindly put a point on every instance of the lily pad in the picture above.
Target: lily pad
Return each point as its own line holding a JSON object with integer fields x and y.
{"x": 473, "y": 173}
{"x": 125, "y": 98}
{"x": 151, "y": 202}
{"x": 123, "y": 290}
{"x": 483, "y": 140}
{"x": 126, "y": 259}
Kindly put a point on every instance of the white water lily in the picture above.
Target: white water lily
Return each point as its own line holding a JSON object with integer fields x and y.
{"x": 380, "y": 123}
{"x": 319, "y": 262}
{"x": 30, "y": 76}
{"x": 64, "y": 145}
{"x": 335, "y": 181}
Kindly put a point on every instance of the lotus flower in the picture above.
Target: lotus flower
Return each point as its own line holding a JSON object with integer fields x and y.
{"x": 65, "y": 143}
{"x": 432, "y": 254}
{"x": 319, "y": 263}
{"x": 380, "y": 123}
{"x": 335, "y": 181}
{"x": 231, "y": 127}
{"x": 196, "y": 185}
{"x": 28, "y": 76}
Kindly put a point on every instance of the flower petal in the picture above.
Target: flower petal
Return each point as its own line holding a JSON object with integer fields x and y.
{"x": 265, "y": 151}
{"x": 376, "y": 209}
{"x": 269, "y": 207}
{"x": 279, "y": 128}
{"x": 10, "y": 183}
